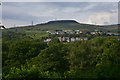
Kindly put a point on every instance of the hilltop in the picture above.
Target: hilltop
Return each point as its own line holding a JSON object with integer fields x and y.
{"x": 57, "y": 22}
{"x": 64, "y": 25}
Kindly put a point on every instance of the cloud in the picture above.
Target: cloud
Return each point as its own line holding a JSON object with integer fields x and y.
{"x": 90, "y": 6}
{"x": 103, "y": 18}
{"x": 0, "y": 14}
{"x": 60, "y": 0}
{"x": 23, "y": 13}
{"x": 15, "y": 23}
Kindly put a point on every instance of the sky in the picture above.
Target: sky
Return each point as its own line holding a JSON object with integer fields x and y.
{"x": 60, "y": 0}
{"x": 23, "y": 13}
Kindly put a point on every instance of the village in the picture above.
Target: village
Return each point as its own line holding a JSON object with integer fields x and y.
{"x": 81, "y": 32}
{"x": 67, "y": 39}
{"x": 72, "y": 39}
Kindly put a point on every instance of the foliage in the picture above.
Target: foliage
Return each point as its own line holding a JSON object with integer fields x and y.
{"x": 17, "y": 53}
{"x": 29, "y": 59}
{"x": 52, "y": 58}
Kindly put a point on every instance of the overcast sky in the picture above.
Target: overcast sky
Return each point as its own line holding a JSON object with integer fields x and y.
{"x": 23, "y": 13}
{"x": 60, "y": 0}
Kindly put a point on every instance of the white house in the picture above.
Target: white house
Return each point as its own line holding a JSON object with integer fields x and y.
{"x": 47, "y": 40}
{"x": 72, "y": 39}
{"x": 93, "y": 32}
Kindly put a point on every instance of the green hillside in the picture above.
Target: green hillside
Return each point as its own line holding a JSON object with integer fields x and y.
{"x": 38, "y": 31}
{"x": 64, "y": 25}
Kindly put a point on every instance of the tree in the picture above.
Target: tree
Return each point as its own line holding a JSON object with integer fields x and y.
{"x": 53, "y": 41}
{"x": 52, "y": 58}
{"x": 20, "y": 51}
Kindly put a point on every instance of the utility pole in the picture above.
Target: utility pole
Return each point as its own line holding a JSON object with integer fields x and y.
{"x": 32, "y": 23}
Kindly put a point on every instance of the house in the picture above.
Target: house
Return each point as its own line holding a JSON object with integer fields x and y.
{"x": 47, "y": 40}
{"x": 70, "y": 32}
{"x": 93, "y": 32}
{"x": 72, "y": 39}
{"x": 100, "y": 32}
{"x": 109, "y": 33}
{"x": 60, "y": 39}
{"x": 63, "y": 39}
{"x": 81, "y": 38}
{"x": 81, "y": 32}
{"x": 77, "y": 32}
{"x": 66, "y": 39}
{"x": 85, "y": 38}
{"x": 77, "y": 38}
{"x": 53, "y": 33}
{"x": 59, "y": 32}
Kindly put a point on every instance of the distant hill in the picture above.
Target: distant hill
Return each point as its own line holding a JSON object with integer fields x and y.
{"x": 65, "y": 25}
{"x": 58, "y": 22}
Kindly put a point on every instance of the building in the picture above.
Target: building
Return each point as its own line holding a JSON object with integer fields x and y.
{"x": 100, "y": 32}
{"x": 59, "y": 32}
{"x": 85, "y": 38}
{"x": 47, "y": 40}
{"x": 93, "y": 32}
{"x": 81, "y": 32}
{"x": 72, "y": 39}
{"x": 77, "y": 38}
{"x": 77, "y": 32}
{"x": 60, "y": 39}
{"x": 109, "y": 33}
{"x": 81, "y": 38}
{"x": 66, "y": 39}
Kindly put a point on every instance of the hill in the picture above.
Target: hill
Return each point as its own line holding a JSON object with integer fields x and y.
{"x": 58, "y": 22}
{"x": 64, "y": 25}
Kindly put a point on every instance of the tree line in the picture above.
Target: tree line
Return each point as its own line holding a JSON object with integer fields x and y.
{"x": 30, "y": 59}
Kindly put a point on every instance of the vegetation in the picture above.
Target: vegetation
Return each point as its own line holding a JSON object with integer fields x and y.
{"x": 26, "y": 56}
{"x": 96, "y": 58}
